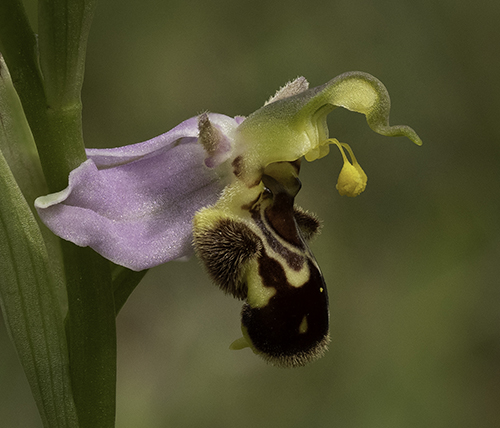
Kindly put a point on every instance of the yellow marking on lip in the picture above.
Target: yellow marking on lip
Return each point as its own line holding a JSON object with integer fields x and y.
{"x": 297, "y": 279}
{"x": 258, "y": 294}
{"x": 303, "y": 325}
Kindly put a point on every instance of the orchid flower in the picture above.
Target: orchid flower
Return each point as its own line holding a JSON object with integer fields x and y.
{"x": 225, "y": 187}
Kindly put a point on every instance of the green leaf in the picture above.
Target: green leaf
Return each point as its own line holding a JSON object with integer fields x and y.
{"x": 19, "y": 47}
{"x": 19, "y": 150}
{"x": 29, "y": 305}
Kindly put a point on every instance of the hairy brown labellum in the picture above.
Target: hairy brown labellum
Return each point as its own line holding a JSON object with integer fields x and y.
{"x": 258, "y": 253}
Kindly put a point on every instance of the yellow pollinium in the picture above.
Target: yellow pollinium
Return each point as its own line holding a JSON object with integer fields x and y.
{"x": 352, "y": 179}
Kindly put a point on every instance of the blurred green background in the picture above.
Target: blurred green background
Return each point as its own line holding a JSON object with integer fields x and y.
{"x": 412, "y": 264}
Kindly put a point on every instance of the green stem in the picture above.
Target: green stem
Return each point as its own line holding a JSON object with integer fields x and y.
{"x": 91, "y": 333}
{"x": 56, "y": 128}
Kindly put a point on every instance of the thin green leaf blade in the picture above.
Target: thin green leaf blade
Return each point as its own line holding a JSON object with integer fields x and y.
{"x": 30, "y": 307}
{"x": 17, "y": 145}
{"x": 19, "y": 149}
{"x": 28, "y": 298}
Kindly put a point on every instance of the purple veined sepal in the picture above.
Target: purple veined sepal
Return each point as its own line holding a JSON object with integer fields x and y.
{"x": 134, "y": 204}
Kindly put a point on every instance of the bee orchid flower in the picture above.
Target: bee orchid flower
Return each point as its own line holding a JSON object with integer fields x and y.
{"x": 225, "y": 187}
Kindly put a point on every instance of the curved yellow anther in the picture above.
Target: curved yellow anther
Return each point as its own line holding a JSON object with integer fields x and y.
{"x": 352, "y": 179}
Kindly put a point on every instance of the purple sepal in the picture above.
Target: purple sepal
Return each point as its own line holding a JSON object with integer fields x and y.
{"x": 134, "y": 204}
